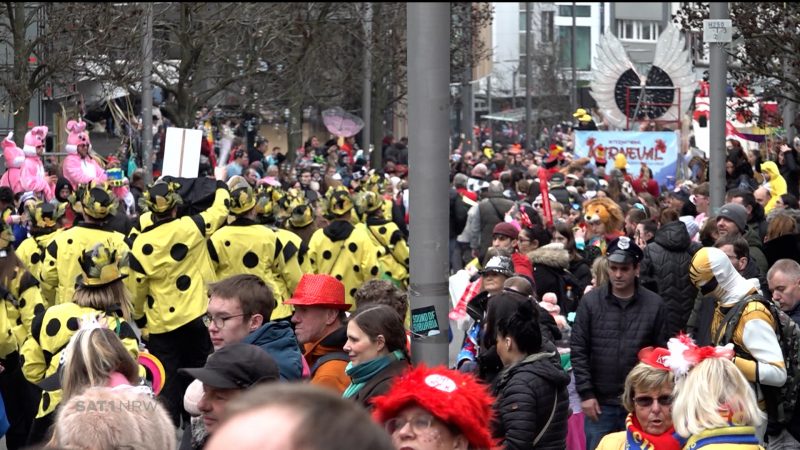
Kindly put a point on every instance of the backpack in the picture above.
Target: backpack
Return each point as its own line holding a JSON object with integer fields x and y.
{"x": 781, "y": 401}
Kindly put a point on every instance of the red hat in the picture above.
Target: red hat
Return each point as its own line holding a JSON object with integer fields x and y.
{"x": 656, "y": 357}
{"x": 506, "y": 229}
{"x": 455, "y": 398}
{"x": 320, "y": 290}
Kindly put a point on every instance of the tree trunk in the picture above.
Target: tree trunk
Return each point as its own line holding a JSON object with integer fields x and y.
{"x": 295, "y": 129}
{"x": 21, "y": 106}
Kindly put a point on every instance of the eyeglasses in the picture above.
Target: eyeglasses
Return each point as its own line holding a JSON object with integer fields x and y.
{"x": 419, "y": 424}
{"x": 646, "y": 402}
{"x": 218, "y": 322}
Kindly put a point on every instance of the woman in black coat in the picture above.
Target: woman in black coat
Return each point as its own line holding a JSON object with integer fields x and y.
{"x": 532, "y": 403}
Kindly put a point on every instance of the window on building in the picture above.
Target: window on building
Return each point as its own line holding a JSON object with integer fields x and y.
{"x": 638, "y": 30}
{"x": 580, "y": 11}
{"x": 583, "y": 47}
{"x": 522, "y": 19}
{"x": 547, "y": 25}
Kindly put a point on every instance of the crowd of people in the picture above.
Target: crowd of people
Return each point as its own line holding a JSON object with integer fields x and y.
{"x": 261, "y": 308}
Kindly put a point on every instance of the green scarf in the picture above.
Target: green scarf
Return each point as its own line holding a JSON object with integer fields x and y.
{"x": 364, "y": 372}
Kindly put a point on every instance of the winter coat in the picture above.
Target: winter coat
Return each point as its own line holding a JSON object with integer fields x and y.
{"x": 582, "y": 273}
{"x": 51, "y": 331}
{"x": 790, "y": 171}
{"x": 171, "y": 267}
{"x": 331, "y": 373}
{"x": 79, "y": 170}
{"x": 346, "y": 252}
{"x": 247, "y": 247}
{"x": 756, "y": 244}
{"x": 786, "y": 246}
{"x": 527, "y": 394}
{"x": 278, "y": 339}
{"x": 380, "y": 383}
{"x": 61, "y": 268}
{"x": 392, "y": 243}
{"x": 549, "y": 265}
{"x": 665, "y": 270}
{"x": 607, "y": 336}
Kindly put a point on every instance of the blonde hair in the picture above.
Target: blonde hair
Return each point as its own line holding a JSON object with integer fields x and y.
{"x": 105, "y": 298}
{"x": 643, "y": 378}
{"x": 103, "y": 418}
{"x": 600, "y": 271}
{"x": 90, "y": 358}
{"x": 695, "y": 409}
{"x": 780, "y": 225}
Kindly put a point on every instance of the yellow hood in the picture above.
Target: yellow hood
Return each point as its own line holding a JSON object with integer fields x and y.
{"x": 776, "y": 185}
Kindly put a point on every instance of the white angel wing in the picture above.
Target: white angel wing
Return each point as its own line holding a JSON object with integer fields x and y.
{"x": 610, "y": 63}
{"x": 673, "y": 58}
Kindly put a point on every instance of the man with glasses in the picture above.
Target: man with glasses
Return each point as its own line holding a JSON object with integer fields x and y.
{"x": 612, "y": 323}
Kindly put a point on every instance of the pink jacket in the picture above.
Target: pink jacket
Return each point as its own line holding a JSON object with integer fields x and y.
{"x": 14, "y": 158}
{"x": 32, "y": 177}
{"x": 79, "y": 170}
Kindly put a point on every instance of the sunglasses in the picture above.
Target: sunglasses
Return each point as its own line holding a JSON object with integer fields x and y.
{"x": 645, "y": 402}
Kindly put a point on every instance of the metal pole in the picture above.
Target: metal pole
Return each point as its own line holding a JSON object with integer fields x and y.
{"x": 528, "y": 50}
{"x": 489, "y": 104}
{"x": 789, "y": 109}
{"x": 147, "y": 95}
{"x": 468, "y": 99}
{"x": 718, "y": 71}
{"x": 514, "y": 87}
{"x": 366, "y": 93}
{"x": 428, "y": 78}
{"x": 574, "y": 93}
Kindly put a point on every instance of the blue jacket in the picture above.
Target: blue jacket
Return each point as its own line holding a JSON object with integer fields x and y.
{"x": 278, "y": 339}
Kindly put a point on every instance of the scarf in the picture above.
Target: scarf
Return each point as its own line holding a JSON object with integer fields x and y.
{"x": 637, "y": 439}
{"x": 362, "y": 373}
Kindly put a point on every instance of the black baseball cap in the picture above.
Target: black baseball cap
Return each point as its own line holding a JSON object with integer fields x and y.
{"x": 236, "y": 366}
{"x": 623, "y": 250}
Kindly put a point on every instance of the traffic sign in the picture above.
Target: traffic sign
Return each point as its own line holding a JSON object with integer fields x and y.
{"x": 717, "y": 30}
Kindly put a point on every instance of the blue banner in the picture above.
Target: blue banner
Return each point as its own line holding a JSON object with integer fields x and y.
{"x": 657, "y": 149}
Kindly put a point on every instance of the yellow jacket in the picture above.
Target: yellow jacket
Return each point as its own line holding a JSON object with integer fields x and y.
{"x": 697, "y": 442}
{"x": 170, "y": 267}
{"x": 346, "y": 252}
{"x": 394, "y": 250}
{"x": 613, "y": 441}
{"x": 32, "y": 253}
{"x": 51, "y": 331}
{"x": 245, "y": 246}
{"x": 23, "y": 301}
{"x": 777, "y": 184}
{"x": 61, "y": 268}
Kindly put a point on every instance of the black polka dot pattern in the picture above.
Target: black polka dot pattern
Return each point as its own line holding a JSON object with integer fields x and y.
{"x": 178, "y": 251}
{"x": 382, "y": 230}
{"x": 22, "y": 303}
{"x": 327, "y": 254}
{"x": 35, "y": 258}
{"x": 183, "y": 282}
{"x": 38, "y": 309}
{"x": 147, "y": 249}
{"x": 374, "y": 271}
{"x": 353, "y": 292}
{"x": 72, "y": 324}
{"x": 52, "y": 327}
{"x": 356, "y": 269}
{"x": 45, "y": 401}
{"x": 339, "y": 277}
{"x": 172, "y": 309}
{"x": 150, "y": 301}
{"x": 69, "y": 241}
{"x": 227, "y": 243}
{"x": 353, "y": 247}
{"x": 250, "y": 260}
{"x": 19, "y": 320}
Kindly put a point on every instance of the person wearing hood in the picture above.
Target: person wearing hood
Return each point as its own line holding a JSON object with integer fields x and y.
{"x": 63, "y": 192}
{"x": 759, "y": 355}
{"x": 665, "y": 270}
{"x": 790, "y": 169}
{"x": 32, "y": 175}
{"x": 532, "y": 403}
{"x": 341, "y": 249}
{"x": 80, "y": 166}
{"x": 775, "y": 183}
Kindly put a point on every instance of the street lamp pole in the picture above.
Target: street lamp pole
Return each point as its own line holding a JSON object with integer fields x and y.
{"x": 528, "y": 50}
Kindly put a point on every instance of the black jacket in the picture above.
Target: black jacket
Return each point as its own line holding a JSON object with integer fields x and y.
{"x": 607, "y": 336}
{"x": 380, "y": 383}
{"x": 549, "y": 265}
{"x": 786, "y": 246}
{"x": 790, "y": 171}
{"x": 665, "y": 271}
{"x": 527, "y": 394}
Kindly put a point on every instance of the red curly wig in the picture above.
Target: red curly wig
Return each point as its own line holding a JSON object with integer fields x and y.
{"x": 455, "y": 398}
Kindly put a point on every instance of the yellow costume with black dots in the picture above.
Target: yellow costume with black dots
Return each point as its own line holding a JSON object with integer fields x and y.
{"x": 246, "y": 246}
{"x": 346, "y": 252}
{"x": 394, "y": 256}
{"x": 170, "y": 267}
{"x": 32, "y": 253}
{"x": 20, "y": 304}
{"x": 60, "y": 267}
{"x": 51, "y": 331}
